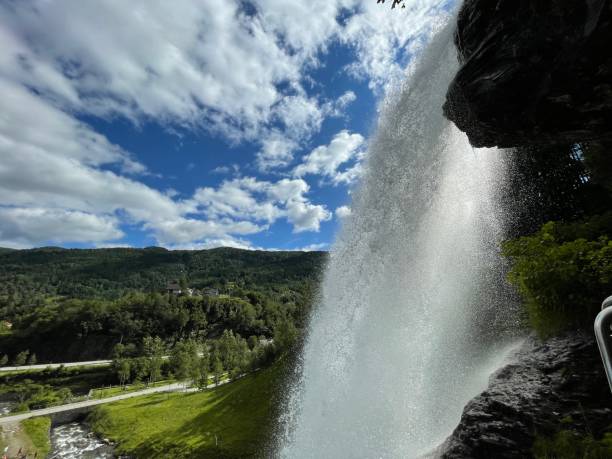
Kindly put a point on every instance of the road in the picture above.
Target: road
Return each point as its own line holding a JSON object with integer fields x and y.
{"x": 88, "y": 403}
{"x": 42, "y": 366}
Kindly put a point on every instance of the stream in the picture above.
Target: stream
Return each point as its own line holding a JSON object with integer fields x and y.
{"x": 76, "y": 441}
{"x": 5, "y": 407}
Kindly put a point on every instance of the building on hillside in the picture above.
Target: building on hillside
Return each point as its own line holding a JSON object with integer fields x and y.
{"x": 174, "y": 288}
{"x": 210, "y": 292}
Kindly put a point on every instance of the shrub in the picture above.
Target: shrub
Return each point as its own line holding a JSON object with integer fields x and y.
{"x": 569, "y": 445}
{"x": 563, "y": 272}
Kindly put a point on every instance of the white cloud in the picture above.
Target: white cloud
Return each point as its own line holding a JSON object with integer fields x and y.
{"x": 343, "y": 211}
{"x": 383, "y": 38}
{"x": 277, "y": 151}
{"x": 326, "y": 160}
{"x": 220, "y": 170}
{"x": 236, "y": 243}
{"x": 186, "y": 64}
{"x": 24, "y": 227}
{"x": 206, "y": 64}
{"x": 53, "y": 177}
{"x": 263, "y": 202}
{"x": 338, "y": 107}
{"x": 188, "y": 230}
{"x": 112, "y": 245}
{"x": 312, "y": 247}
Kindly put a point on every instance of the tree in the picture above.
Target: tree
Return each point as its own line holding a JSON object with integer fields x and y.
{"x": 285, "y": 334}
{"x": 183, "y": 284}
{"x": 21, "y": 358}
{"x": 203, "y": 366}
{"x": 253, "y": 342}
{"x": 217, "y": 370}
{"x": 124, "y": 371}
{"x": 4, "y": 360}
{"x": 184, "y": 360}
{"x": 32, "y": 360}
{"x": 153, "y": 349}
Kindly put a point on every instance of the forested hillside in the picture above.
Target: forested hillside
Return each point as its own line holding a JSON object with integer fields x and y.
{"x": 109, "y": 273}
{"x": 69, "y": 304}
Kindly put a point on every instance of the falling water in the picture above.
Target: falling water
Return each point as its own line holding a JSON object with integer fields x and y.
{"x": 408, "y": 326}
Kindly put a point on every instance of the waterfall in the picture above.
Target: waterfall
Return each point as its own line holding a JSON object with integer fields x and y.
{"x": 411, "y": 313}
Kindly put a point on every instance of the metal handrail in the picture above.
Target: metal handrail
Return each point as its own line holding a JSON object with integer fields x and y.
{"x": 603, "y": 333}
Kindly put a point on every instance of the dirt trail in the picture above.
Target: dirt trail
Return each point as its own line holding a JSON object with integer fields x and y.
{"x": 13, "y": 436}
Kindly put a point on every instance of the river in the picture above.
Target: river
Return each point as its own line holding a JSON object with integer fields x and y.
{"x": 76, "y": 441}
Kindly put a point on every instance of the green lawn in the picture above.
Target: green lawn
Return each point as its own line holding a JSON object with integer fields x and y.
{"x": 233, "y": 420}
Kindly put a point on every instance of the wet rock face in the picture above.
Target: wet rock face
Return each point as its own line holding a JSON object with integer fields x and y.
{"x": 549, "y": 384}
{"x": 533, "y": 72}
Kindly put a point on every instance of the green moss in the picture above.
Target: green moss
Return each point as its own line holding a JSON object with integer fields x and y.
{"x": 38, "y": 430}
{"x": 233, "y": 420}
{"x": 569, "y": 445}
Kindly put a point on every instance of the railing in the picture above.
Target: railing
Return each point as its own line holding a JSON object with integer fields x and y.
{"x": 603, "y": 333}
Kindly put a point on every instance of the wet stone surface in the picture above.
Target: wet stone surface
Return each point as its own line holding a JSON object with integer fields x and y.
{"x": 549, "y": 383}
{"x": 533, "y": 72}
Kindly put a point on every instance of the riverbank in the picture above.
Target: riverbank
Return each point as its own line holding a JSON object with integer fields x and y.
{"x": 553, "y": 401}
{"x": 31, "y": 437}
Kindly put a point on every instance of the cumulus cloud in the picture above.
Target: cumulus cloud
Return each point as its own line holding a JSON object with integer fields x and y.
{"x": 326, "y": 160}
{"x": 277, "y": 151}
{"x": 25, "y": 227}
{"x": 263, "y": 202}
{"x": 343, "y": 211}
{"x": 231, "y": 69}
{"x": 56, "y": 184}
{"x": 236, "y": 71}
{"x": 185, "y": 62}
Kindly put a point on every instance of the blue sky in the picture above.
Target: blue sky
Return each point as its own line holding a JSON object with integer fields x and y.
{"x": 192, "y": 124}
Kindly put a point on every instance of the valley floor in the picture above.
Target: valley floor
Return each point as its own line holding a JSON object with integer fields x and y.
{"x": 232, "y": 420}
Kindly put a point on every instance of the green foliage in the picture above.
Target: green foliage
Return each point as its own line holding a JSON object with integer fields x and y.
{"x": 184, "y": 360}
{"x": 569, "y": 445}
{"x": 28, "y": 275}
{"x": 21, "y": 358}
{"x": 153, "y": 350}
{"x": 34, "y": 396}
{"x": 78, "y": 381}
{"x": 285, "y": 334}
{"x": 232, "y": 420}
{"x": 267, "y": 288}
{"x": 564, "y": 272}
{"x": 38, "y": 430}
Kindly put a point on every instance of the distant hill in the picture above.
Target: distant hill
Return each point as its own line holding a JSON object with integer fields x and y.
{"x": 112, "y": 272}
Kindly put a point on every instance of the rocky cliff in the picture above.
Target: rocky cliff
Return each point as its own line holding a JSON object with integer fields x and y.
{"x": 552, "y": 386}
{"x": 533, "y": 72}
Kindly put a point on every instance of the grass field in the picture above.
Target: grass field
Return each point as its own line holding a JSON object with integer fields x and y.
{"x": 233, "y": 420}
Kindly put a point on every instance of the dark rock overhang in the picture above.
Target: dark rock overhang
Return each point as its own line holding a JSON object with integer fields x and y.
{"x": 533, "y": 72}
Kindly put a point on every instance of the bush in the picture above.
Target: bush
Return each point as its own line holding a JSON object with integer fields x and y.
{"x": 569, "y": 445}
{"x": 563, "y": 272}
